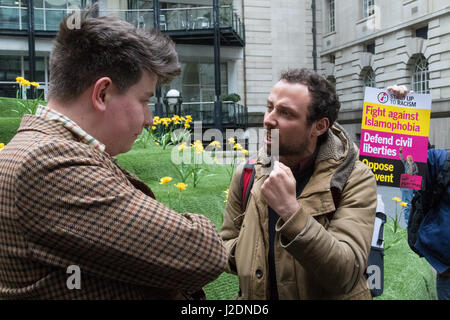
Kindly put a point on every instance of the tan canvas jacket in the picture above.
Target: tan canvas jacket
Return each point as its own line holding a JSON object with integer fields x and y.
{"x": 318, "y": 255}
{"x": 63, "y": 203}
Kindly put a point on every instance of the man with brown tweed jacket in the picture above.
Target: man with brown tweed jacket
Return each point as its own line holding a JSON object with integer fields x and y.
{"x": 67, "y": 210}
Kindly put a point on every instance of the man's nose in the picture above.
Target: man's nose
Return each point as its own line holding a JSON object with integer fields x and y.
{"x": 270, "y": 119}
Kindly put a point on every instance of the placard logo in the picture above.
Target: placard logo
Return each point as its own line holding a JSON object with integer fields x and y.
{"x": 383, "y": 97}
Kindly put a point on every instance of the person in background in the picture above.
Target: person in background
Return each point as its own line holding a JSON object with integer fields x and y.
{"x": 407, "y": 194}
{"x": 429, "y": 228}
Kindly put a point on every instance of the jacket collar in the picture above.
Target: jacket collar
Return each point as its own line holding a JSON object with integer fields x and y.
{"x": 38, "y": 124}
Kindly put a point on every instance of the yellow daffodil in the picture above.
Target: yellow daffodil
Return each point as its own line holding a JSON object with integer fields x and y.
{"x": 181, "y": 186}
{"x": 187, "y": 126}
{"x": 2, "y": 145}
{"x": 226, "y": 193}
{"x": 19, "y": 79}
{"x": 237, "y": 146}
{"x": 215, "y": 143}
{"x": 396, "y": 199}
{"x": 182, "y": 146}
{"x": 153, "y": 127}
{"x": 244, "y": 151}
{"x": 403, "y": 204}
{"x": 231, "y": 140}
{"x": 157, "y": 143}
{"x": 198, "y": 148}
{"x": 35, "y": 84}
{"x": 165, "y": 180}
{"x": 26, "y": 83}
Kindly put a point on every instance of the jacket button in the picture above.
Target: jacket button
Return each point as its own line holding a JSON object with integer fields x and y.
{"x": 259, "y": 274}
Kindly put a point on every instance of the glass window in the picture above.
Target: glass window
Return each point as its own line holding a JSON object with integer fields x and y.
{"x": 8, "y": 90}
{"x": 371, "y": 48}
{"x": 40, "y": 69}
{"x": 331, "y": 17}
{"x": 422, "y": 32}
{"x": 369, "y": 78}
{"x": 420, "y": 76}
{"x": 140, "y": 13}
{"x": 10, "y": 67}
{"x": 196, "y": 82}
{"x": 368, "y": 8}
{"x": 55, "y": 4}
{"x": 9, "y": 15}
{"x": 9, "y": 3}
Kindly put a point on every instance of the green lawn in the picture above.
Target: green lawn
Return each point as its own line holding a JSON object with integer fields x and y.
{"x": 10, "y": 120}
{"x": 8, "y": 128}
{"x": 407, "y": 277}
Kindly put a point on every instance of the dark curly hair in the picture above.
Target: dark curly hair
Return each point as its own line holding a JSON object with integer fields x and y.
{"x": 107, "y": 47}
{"x": 324, "y": 100}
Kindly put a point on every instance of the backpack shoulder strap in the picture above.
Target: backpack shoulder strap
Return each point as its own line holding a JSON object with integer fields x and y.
{"x": 247, "y": 177}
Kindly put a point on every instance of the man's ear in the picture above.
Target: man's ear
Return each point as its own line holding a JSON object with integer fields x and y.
{"x": 102, "y": 87}
{"x": 321, "y": 126}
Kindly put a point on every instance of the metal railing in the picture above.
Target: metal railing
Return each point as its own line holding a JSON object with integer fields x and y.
{"x": 196, "y": 18}
{"x": 176, "y": 19}
{"x": 233, "y": 114}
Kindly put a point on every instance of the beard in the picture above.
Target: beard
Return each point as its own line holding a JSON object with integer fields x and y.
{"x": 285, "y": 148}
{"x": 290, "y": 149}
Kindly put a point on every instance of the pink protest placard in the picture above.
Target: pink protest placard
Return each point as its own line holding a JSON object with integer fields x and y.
{"x": 386, "y": 145}
{"x": 394, "y": 137}
{"x": 410, "y": 182}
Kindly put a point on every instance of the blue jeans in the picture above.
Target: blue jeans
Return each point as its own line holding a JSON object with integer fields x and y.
{"x": 443, "y": 288}
{"x": 407, "y": 196}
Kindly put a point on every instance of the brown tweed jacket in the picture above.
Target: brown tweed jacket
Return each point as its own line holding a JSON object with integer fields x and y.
{"x": 63, "y": 203}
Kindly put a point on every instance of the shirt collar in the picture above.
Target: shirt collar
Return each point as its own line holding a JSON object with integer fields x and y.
{"x": 47, "y": 113}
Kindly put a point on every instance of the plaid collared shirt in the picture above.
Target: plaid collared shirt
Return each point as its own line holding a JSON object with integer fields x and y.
{"x": 47, "y": 113}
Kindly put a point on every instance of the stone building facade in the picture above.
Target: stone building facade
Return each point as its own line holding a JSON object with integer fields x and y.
{"x": 380, "y": 43}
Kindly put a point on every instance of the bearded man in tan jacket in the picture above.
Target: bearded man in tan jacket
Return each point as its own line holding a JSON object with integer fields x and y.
{"x": 291, "y": 241}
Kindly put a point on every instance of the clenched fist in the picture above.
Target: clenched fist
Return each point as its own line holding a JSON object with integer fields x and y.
{"x": 279, "y": 190}
{"x": 399, "y": 91}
